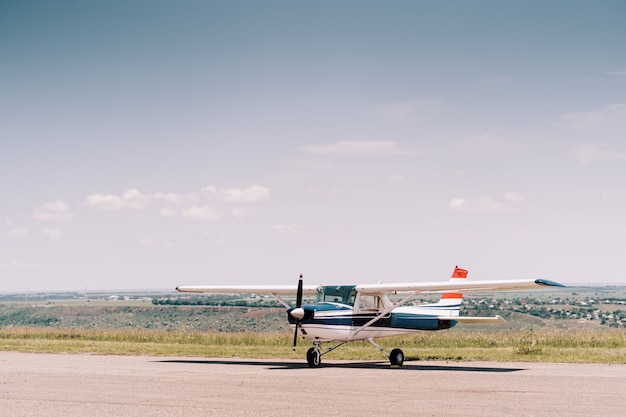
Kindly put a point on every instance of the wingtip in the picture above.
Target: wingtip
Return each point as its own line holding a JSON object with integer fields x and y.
{"x": 548, "y": 283}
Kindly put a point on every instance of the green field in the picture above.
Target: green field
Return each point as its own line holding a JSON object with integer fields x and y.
{"x": 607, "y": 346}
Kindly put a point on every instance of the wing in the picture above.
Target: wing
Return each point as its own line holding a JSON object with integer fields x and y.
{"x": 248, "y": 289}
{"x": 471, "y": 286}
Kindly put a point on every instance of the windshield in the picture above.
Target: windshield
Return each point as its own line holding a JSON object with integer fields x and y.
{"x": 343, "y": 294}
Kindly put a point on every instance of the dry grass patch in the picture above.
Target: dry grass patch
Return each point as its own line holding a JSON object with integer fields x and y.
{"x": 607, "y": 346}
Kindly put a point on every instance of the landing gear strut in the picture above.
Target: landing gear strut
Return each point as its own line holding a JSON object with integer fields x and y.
{"x": 396, "y": 357}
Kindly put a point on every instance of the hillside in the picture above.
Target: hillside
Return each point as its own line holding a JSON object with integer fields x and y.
{"x": 573, "y": 308}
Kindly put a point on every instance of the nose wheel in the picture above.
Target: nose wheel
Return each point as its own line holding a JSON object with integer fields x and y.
{"x": 314, "y": 357}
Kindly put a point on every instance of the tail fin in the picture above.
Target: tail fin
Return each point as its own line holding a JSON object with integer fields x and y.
{"x": 452, "y": 300}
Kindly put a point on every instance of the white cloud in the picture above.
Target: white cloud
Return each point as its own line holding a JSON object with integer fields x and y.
{"x": 508, "y": 204}
{"x": 588, "y": 154}
{"x": 104, "y": 201}
{"x": 583, "y": 120}
{"x": 16, "y": 233}
{"x": 355, "y": 148}
{"x": 209, "y": 191}
{"x": 176, "y": 199}
{"x": 53, "y": 211}
{"x": 609, "y": 115}
{"x": 200, "y": 213}
{"x": 133, "y": 199}
{"x": 616, "y": 73}
{"x": 253, "y": 194}
{"x": 53, "y": 234}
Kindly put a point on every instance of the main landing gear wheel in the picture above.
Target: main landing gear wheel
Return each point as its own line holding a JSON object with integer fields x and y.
{"x": 396, "y": 357}
{"x": 313, "y": 357}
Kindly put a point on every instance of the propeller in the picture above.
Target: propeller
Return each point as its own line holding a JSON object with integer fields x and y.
{"x": 298, "y": 312}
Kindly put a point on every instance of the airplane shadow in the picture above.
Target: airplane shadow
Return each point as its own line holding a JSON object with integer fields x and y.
{"x": 378, "y": 365}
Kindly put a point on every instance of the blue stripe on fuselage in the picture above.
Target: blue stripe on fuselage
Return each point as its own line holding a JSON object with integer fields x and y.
{"x": 398, "y": 320}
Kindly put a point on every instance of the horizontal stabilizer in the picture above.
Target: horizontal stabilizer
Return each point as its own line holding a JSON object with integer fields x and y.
{"x": 475, "y": 320}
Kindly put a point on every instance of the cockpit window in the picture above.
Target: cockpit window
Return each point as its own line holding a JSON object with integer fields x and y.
{"x": 343, "y": 294}
{"x": 369, "y": 302}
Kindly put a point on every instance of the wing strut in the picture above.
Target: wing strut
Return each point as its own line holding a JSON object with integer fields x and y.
{"x": 280, "y": 300}
{"x": 385, "y": 312}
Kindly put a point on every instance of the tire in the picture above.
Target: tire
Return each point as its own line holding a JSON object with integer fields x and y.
{"x": 313, "y": 357}
{"x": 396, "y": 357}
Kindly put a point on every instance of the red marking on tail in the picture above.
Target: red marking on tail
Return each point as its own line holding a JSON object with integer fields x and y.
{"x": 451, "y": 295}
{"x": 459, "y": 273}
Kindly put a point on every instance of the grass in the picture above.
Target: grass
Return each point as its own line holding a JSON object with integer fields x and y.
{"x": 553, "y": 345}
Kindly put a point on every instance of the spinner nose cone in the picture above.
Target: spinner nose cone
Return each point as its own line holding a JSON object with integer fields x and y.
{"x": 296, "y": 313}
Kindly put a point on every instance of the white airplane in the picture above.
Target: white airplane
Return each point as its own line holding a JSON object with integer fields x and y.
{"x": 346, "y": 313}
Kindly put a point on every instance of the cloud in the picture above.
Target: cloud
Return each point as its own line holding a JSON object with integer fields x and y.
{"x": 621, "y": 74}
{"x": 16, "y": 233}
{"x": 53, "y": 211}
{"x": 508, "y": 204}
{"x": 355, "y": 148}
{"x": 53, "y": 234}
{"x": 609, "y": 115}
{"x": 133, "y": 199}
{"x": 588, "y": 154}
{"x": 104, "y": 201}
{"x": 583, "y": 120}
{"x": 199, "y": 213}
{"x": 253, "y": 194}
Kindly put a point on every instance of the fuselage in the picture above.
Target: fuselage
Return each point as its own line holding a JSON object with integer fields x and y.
{"x": 329, "y": 321}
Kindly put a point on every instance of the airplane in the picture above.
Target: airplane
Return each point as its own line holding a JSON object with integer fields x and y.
{"x": 347, "y": 313}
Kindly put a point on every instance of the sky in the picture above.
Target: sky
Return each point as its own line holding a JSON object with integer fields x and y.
{"x": 150, "y": 144}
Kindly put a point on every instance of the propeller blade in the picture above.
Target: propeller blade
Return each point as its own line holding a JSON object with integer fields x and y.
{"x": 298, "y": 305}
{"x": 295, "y": 335}
{"x": 299, "y": 293}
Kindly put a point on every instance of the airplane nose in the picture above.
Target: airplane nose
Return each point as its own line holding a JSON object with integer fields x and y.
{"x": 297, "y": 313}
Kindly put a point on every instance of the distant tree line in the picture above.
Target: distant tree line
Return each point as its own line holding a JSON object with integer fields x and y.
{"x": 210, "y": 301}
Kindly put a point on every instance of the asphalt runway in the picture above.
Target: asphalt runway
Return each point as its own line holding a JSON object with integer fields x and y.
{"x": 90, "y": 385}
